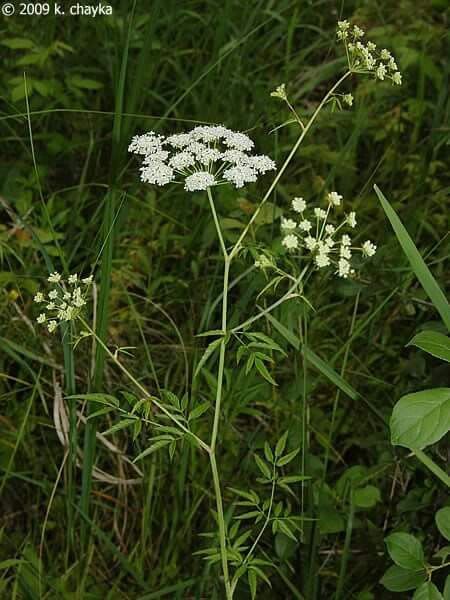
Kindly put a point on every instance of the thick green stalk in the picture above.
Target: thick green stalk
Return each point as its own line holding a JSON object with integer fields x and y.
{"x": 217, "y": 408}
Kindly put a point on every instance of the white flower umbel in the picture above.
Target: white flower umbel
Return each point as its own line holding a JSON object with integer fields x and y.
{"x": 204, "y": 157}
{"x": 321, "y": 241}
{"x": 365, "y": 58}
{"x": 65, "y": 301}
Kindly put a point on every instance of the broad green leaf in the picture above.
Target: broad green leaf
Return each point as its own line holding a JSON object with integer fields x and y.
{"x": 397, "y": 579}
{"x": 406, "y": 551}
{"x": 427, "y": 591}
{"x": 435, "y": 343}
{"x": 442, "y": 518}
{"x": 447, "y": 588}
{"x": 417, "y": 263}
{"x": 421, "y": 418}
{"x": 366, "y": 497}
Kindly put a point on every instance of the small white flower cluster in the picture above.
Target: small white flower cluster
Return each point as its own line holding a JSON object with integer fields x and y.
{"x": 64, "y": 302}
{"x": 319, "y": 238}
{"x": 365, "y": 58}
{"x": 204, "y": 157}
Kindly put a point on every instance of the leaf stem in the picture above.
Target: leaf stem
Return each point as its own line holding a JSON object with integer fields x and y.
{"x": 291, "y": 155}
{"x": 131, "y": 377}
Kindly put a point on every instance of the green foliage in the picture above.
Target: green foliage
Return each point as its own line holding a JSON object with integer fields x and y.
{"x": 328, "y": 372}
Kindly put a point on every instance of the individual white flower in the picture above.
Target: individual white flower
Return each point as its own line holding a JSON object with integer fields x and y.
{"x": 261, "y": 163}
{"x": 240, "y": 175}
{"x": 371, "y": 47}
{"x": 343, "y": 268}
{"x": 182, "y": 160}
{"x": 385, "y": 54}
{"x": 238, "y": 141}
{"x": 358, "y": 32}
{"x": 299, "y": 205}
{"x": 67, "y": 296}
{"x": 305, "y": 225}
{"x": 290, "y": 241}
{"x": 397, "y": 78}
{"x": 39, "y": 297}
{"x": 54, "y": 277}
{"x": 369, "y": 248}
{"x": 201, "y": 180}
{"x": 330, "y": 229}
{"x": 263, "y": 262}
{"x": 345, "y": 240}
{"x": 348, "y": 99}
{"x": 288, "y": 224}
{"x": 280, "y": 92}
{"x": 351, "y": 219}
{"x": 345, "y": 252}
{"x": 381, "y": 71}
{"x": 41, "y": 318}
{"x": 53, "y": 294}
{"x": 329, "y": 242}
{"x": 310, "y": 243}
{"x": 51, "y": 306}
{"x": 51, "y": 326}
{"x": 88, "y": 280}
{"x": 322, "y": 260}
{"x": 148, "y": 143}
{"x": 157, "y": 173}
{"x": 320, "y": 213}
{"x": 334, "y": 198}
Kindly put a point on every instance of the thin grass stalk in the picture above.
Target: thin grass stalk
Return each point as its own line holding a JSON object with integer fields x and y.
{"x": 108, "y": 235}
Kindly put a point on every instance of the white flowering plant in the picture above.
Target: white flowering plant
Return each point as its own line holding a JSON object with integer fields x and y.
{"x": 64, "y": 302}
{"x": 315, "y": 237}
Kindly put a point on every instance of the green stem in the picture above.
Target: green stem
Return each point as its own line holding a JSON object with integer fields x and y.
{"x": 131, "y": 377}
{"x": 291, "y": 155}
{"x": 221, "y": 523}
{"x": 432, "y": 466}
{"x": 287, "y": 296}
{"x": 217, "y": 408}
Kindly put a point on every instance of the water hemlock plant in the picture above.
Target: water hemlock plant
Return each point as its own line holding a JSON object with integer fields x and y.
{"x": 316, "y": 240}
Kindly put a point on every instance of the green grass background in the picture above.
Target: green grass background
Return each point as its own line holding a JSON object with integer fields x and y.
{"x": 72, "y": 93}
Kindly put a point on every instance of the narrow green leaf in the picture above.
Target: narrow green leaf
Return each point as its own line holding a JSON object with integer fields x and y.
{"x": 262, "y": 369}
{"x": 199, "y": 410}
{"x": 207, "y": 353}
{"x": 417, "y": 263}
{"x": 263, "y": 467}
{"x": 120, "y": 425}
{"x": 153, "y": 448}
{"x": 284, "y": 460}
